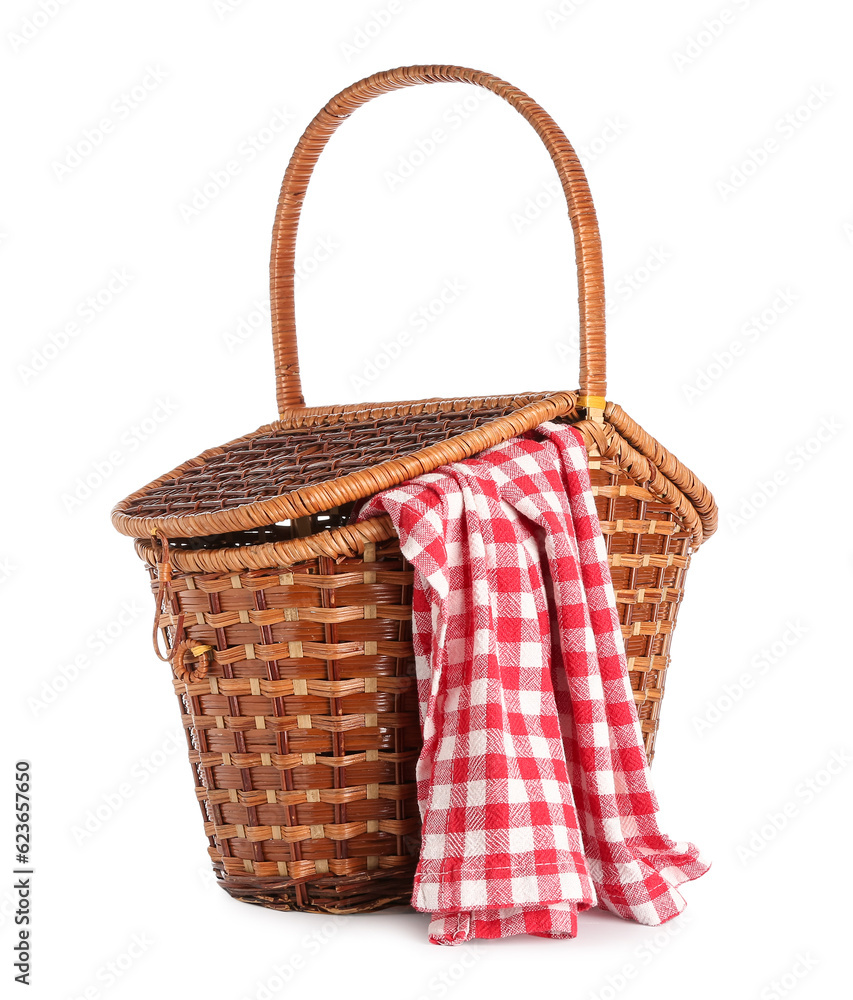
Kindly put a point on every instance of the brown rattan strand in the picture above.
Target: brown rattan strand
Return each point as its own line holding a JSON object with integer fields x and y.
{"x": 668, "y": 465}
{"x": 608, "y": 443}
{"x": 348, "y": 540}
{"x": 298, "y": 174}
{"x": 300, "y": 706}
{"x": 283, "y": 471}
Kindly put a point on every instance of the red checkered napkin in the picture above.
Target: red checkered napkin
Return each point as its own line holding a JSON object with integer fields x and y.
{"x": 533, "y": 784}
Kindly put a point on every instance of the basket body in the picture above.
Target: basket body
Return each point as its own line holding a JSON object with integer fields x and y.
{"x": 304, "y": 725}
{"x": 305, "y": 761}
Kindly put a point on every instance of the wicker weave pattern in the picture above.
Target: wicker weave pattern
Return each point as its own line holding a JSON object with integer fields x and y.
{"x": 648, "y": 552}
{"x": 309, "y": 461}
{"x": 274, "y": 462}
{"x": 303, "y": 716}
{"x": 297, "y": 777}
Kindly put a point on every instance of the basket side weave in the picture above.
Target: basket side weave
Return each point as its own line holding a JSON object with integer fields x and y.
{"x": 304, "y": 722}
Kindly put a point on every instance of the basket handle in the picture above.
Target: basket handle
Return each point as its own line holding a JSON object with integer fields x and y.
{"x": 295, "y": 184}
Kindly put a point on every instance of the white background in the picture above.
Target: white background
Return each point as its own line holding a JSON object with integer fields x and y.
{"x": 667, "y": 111}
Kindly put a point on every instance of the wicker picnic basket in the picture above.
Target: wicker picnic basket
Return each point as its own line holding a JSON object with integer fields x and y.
{"x": 288, "y": 628}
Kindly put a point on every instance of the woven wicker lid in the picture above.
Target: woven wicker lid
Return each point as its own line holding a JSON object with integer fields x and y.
{"x": 314, "y": 460}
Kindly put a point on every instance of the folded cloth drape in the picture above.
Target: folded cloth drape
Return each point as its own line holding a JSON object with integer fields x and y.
{"x": 533, "y": 784}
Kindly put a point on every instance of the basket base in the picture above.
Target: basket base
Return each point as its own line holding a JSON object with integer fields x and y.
{"x": 363, "y": 893}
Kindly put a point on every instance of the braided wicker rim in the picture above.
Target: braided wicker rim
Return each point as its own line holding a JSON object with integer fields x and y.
{"x": 620, "y": 438}
{"x": 693, "y": 507}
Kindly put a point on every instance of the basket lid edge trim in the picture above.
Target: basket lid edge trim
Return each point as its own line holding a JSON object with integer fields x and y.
{"x": 322, "y": 496}
{"x": 349, "y": 540}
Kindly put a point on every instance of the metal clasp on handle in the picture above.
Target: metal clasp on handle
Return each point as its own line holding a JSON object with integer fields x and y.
{"x": 594, "y": 407}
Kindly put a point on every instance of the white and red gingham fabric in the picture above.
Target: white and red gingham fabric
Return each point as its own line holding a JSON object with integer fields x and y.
{"x": 533, "y": 783}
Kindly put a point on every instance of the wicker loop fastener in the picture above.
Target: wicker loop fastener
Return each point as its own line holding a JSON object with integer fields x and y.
{"x": 193, "y": 671}
{"x": 164, "y": 597}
